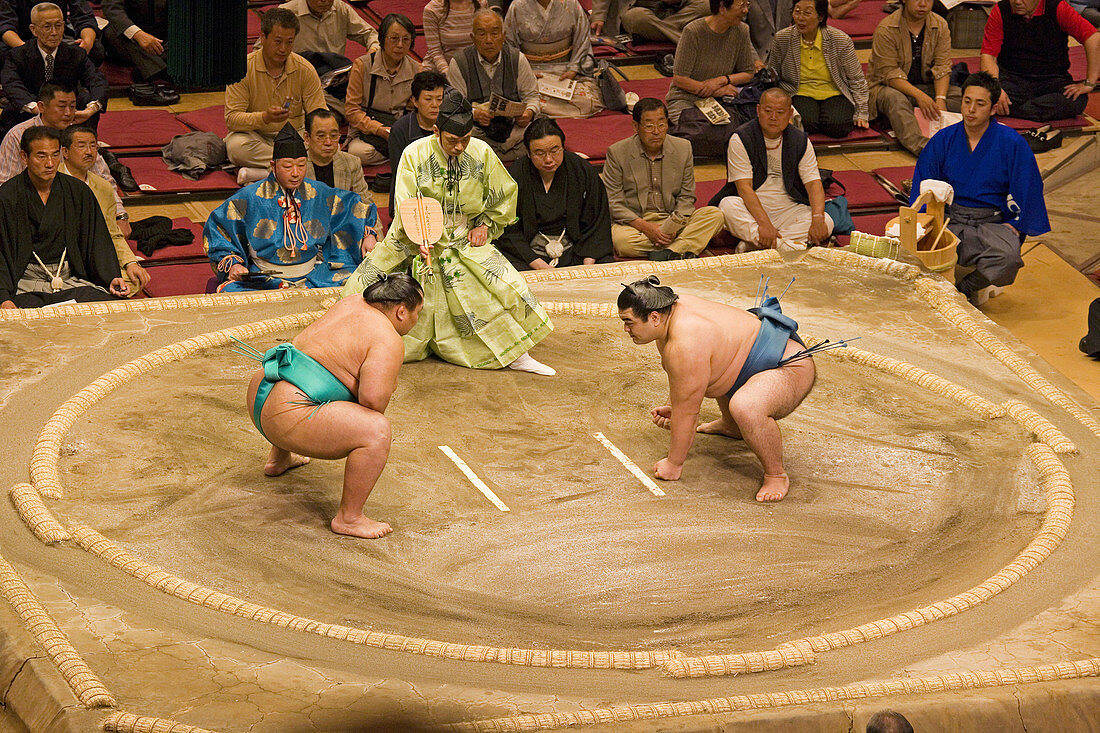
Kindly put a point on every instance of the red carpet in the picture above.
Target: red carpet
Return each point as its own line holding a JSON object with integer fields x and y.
{"x": 896, "y": 175}
{"x": 592, "y": 136}
{"x": 411, "y": 9}
{"x": 860, "y": 24}
{"x": 207, "y": 119}
{"x": 183, "y": 279}
{"x": 152, "y": 171}
{"x": 862, "y": 190}
{"x": 140, "y": 128}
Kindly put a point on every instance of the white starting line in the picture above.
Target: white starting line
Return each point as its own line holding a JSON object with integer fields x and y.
{"x": 477, "y": 482}
{"x": 629, "y": 464}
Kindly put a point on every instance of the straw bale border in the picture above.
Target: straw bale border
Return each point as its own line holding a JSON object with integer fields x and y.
{"x": 129, "y": 723}
{"x": 78, "y": 675}
{"x": 844, "y": 258}
{"x": 1042, "y": 428}
{"x": 34, "y": 513}
{"x": 1056, "y": 484}
{"x": 46, "y": 454}
{"x": 98, "y": 545}
{"x": 970, "y": 680}
{"x": 144, "y": 305}
{"x": 955, "y": 314}
{"x": 644, "y": 267}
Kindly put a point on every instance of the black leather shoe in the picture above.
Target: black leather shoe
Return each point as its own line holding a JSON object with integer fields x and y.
{"x": 119, "y": 171}
{"x": 665, "y": 64}
{"x": 144, "y": 94}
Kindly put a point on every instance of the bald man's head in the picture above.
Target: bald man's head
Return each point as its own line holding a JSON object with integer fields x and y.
{"x": 774, "y": 112}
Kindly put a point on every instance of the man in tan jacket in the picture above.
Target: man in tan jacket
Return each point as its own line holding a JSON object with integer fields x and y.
{"x": 911, "y": 67}
{"x": 650, "y": 180}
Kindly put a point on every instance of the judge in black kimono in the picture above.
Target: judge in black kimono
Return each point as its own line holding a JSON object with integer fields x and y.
{"x": 54, "y": 243}
{"x": 564, "y": 218}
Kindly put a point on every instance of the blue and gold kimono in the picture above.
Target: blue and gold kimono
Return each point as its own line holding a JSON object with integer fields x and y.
{"x": 308, "y": 239}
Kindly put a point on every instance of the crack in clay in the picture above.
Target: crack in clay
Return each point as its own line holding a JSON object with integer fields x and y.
{"x": 7, "y": 690}
{"x": 1020, "y": 709}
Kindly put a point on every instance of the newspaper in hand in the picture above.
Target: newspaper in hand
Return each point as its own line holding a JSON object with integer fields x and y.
{"x": 715, "y": 113}
{"x": 503, "y": 107}
{"x": 551, "y": 86}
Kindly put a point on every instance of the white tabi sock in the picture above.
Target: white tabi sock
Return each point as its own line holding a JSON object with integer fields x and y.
{"x": 245, "y": 176}
{"x": 526, "y": 363}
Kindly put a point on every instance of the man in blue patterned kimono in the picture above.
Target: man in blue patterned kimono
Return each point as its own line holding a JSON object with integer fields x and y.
{"x": 288, "y": 231}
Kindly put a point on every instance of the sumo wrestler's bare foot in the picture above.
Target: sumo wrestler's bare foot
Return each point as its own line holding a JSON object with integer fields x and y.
{"x": 721, "y": 426}
{"x": 774, "y": 488}
{"x": 360, "y": 526}
{"x": 280, "y": 461}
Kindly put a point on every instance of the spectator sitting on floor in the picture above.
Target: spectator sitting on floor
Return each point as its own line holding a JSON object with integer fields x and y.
{"x": 54, "y": 244}
{"x": 489, "y": 67}
{"x": 888, "y": 721}
{"x": 379, "y": 89}
{"x": 325, "y": 27}
{"x": 1026, "y": 47}
{"x": 80, "y": 150}
{"x": 553, "y": 35}
{"x": 427, "y": 95}
{"x": 998, "y": 190}
{"x": 79, "y": 25}
{"x": 817, "y": 65}
{"x": 911, "y": 65}
{"x": 713, "y": 57}
{"x": 58, "y": 110}
{"x": 134, "y": 36}
{"x": 562, "y": 206}
{"x": 47, "y": 60}
{"x": 652, "y": 20}
{"x": 650, "y": 180}
{"x": 279, "y": 86}
{"x": 448, "y": 28}
{"x": 326, "y": 162}
{"x": 776, "y": 199}
{"x": 288, "y": 231}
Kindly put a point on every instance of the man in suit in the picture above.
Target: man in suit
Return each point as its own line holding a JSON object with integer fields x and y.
{"x": 47, "y": 59}
{"x": 650, "y": 179}
{"x": 80, "y": 24}
{"x": 135, "y": 35}
{"x": 326, "y": 162}
{"x": 764, "y": 19}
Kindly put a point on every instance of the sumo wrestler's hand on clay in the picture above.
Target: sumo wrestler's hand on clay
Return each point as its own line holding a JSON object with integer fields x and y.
{"x": 478, "y": 236}
{"x": 666, "y": 470}
{"x": 662, "y": 416}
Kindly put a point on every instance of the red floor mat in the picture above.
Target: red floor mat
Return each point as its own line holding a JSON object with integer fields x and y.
{"x": 648, "y": 87}
{"x": 207, "y": 119}
{"x": 858, "y": 135}
{"x": 139, "y": 128}
{"x": 862, "y": 190}
{"x": 1018, "y": 124}
{"x": 169, "y": 254}
{"x": 873, "y": 223}
{"x": 371, "y": 171}
{"x": 705, "y": 190}
{"x": 172, "y": 280}
{"x": 860, "y": 24}
{"x": 117, "y": 76}
{"x": 151, "y": 170}
{"x": 592, "y": 136}
{"x": 411, "y": 9}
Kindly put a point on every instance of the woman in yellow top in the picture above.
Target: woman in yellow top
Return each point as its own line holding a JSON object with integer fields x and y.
{"x": 818, "y": 66}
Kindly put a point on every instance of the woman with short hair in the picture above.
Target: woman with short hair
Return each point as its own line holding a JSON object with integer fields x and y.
{"x": 818, "y": 67}
{"x": 379, "y": 89}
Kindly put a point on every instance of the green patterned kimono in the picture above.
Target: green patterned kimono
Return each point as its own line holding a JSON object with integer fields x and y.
{"x": 478, "y": 311}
